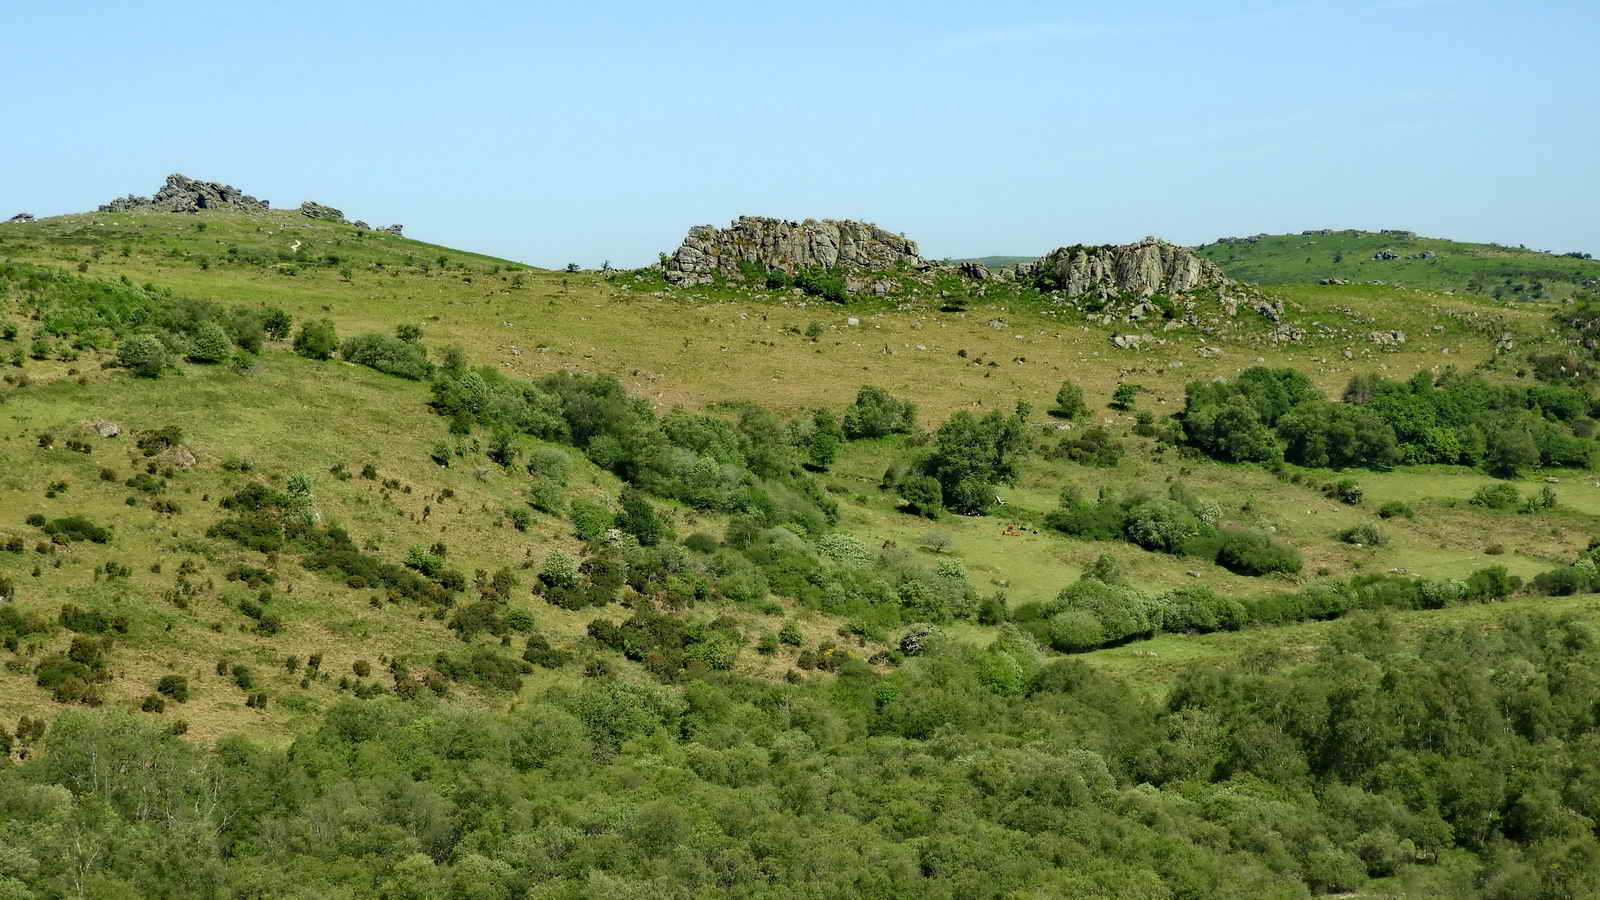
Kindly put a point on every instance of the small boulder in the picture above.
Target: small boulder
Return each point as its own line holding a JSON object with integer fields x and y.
{"x": 107, "y": 429}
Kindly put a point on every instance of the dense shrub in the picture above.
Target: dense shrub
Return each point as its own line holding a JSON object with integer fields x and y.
{"x": 1094, "y": 446}
{"x": 143, "y": 355}
{"x": 1254, "y": 553}
{"x": 390, "y": 355}
{"x": 1069, "y": 402}
{"x": 316, "y": 339}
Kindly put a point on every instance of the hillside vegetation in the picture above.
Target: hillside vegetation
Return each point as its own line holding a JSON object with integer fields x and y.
{"x": 1404, "y": 258}
{"x": 337, "y": 564}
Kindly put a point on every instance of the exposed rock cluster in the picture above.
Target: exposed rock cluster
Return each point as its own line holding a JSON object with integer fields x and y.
{"x": 1151, "y": 266}
{"x": 393, "y": 229}
{"x": 186, "y": 195}
{"x": 780, "y": 244}
{"x": 21, "y": 217}
{"x": 313, "y": 210}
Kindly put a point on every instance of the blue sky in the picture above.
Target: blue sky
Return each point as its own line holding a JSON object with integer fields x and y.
{"x": 557, "y": 132}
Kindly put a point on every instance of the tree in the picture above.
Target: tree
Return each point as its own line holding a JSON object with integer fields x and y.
{"x": 317, "y": 339}
{"x": 823, "y": 446}
{"x": 1124, "y": 396}
{"x": 1510, "y": 450}
{"x": 876, "y": 414}
{"x": 1069, "y": 402}
{"x": 922, "y": 495}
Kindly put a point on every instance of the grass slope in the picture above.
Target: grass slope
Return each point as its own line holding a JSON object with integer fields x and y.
{"x": 696, "y": 349}
{"x": 1509, "y": 273}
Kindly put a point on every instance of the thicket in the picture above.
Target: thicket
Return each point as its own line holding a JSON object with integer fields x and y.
{"x": 1372, "y": 769}
{"x": 1265, "y": 415}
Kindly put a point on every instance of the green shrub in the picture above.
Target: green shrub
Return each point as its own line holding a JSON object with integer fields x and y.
{"x": 316, "y": 339}
{"x": 211, "y": 344}
{"x": 1094, "y": 446}
{"x": 143, "y": 355}
{"x": 1364, "y": 535}
{"x": 1500, "y": 496}
{"x": 1254, "y": 553}
{"x": 390, "y": 355}
{"x": 922, "y": 495}
{"x": 1396, "y": 509}
{"x": 590, "y": 520}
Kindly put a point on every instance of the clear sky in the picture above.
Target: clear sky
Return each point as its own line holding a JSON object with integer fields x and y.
{"x": 573, "y": 131}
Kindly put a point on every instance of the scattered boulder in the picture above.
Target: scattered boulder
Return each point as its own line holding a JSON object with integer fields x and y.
{"x": 790, "y": 246}
{"x": 179, "y": 457}
{"x": 107, "y": 429}
{"x": 362, "y": 226}
{"x": 1387, "y": 338}
{"x": 313, "y": 210}
{"x": 1129, "y": 341}
{"x": 1333, "y": 281}
{"x": 1382, "y": 255}
{"x": 393, "y": 229}
{"x": 975, "y": 271}
{"x": 186, "y": 195}
{"x": 21, "y": 217}
{"x": 1426, "y": 254}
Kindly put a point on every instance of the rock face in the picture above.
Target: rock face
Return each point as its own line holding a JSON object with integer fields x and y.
{"x": 313, "y": 210}
{"x": 1152, "y": 266}
{"x": 708, "y": 251}
{"x": 21, "y": 217}
{"x": 184, "y": 194}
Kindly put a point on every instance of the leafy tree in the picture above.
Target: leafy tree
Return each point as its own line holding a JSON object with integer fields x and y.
{"x": 876, "y": 414}
{"x": 1069, "y": 402}
{"x": 1125, "y": 396}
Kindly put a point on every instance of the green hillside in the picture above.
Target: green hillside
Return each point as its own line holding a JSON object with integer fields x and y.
{"x": 1434, "y": 264}
{"x": 338, "y": 564}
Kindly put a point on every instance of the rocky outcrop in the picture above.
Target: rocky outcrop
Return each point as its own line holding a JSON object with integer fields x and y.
{"x": 1152, "y": 266}
{"x": 790, "y": 246}
{"x": 313, "y": 210}
{"x": 186, "y": 195}
{"x": 21, "y": 217}
{"x": 393, "y": 229}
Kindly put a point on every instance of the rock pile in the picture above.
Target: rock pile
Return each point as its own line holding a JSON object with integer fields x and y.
{"x": 21, "y": 217}
{"x": 1151, "y": 266}
{"x": 1384, "y": 255}
{"x": 186, "y": 195}
{"x": 313, "y": 210}
{"x": 787, "y": 245}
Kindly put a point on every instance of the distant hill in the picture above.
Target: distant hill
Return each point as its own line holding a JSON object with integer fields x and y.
{"x": 995, "y": 262}
{"x": 1401, "y": 257}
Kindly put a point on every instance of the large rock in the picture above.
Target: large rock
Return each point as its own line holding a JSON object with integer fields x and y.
{"x": 779, "y": 244}
{"x": 394, "y": 230}
{"x": 184, "y": 194}
{"x": 312, "y": 210}
{"x": 21, "y": 217}
{"x": 1152, "y": 266}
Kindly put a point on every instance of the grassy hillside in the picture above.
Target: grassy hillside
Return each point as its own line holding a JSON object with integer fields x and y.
{"x": 784, "y": 596}
{"x": 696, "y": 349}
{"x": 1433, "y": 264}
